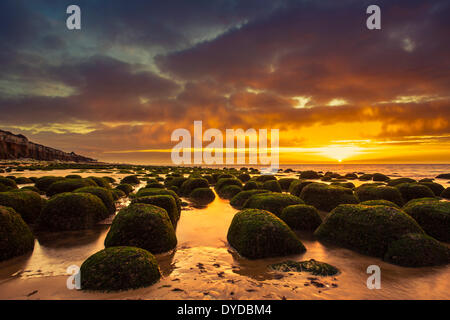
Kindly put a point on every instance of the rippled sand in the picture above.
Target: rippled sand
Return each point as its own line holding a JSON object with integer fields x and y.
{"x": 203, "y": 266}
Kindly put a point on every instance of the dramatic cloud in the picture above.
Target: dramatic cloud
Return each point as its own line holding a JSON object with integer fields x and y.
{"x": 140, "y": 69}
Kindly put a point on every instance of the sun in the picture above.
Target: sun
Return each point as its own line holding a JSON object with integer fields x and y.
{"x": 340, "y": 152}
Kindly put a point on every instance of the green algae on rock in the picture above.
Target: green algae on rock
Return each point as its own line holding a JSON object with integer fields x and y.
{"x": 104, "y": 194}
{"x": 301, "y": 217}
{"x": 144, "y": 226}
{"x": 125, "y": 187}
{"x": 229, "y": 191}
{"x": 366, "y": 229}
{"x": 239, "y": 199}
{"x": 69, "y": 185}
{"x": 411, "y": 191}
{"x": 368, "y": 192}
{"x": 417, "y": 250}
{"x": 43, "y": 183}
{"x": 446, "y": 193}
{"x": 317, "y": 268}
{"x": 327, "y": 197}
{"x": 432, "y": 215}
{"x": 191, "y": 184}
{"x": 257, "y": 234}
{"x": 272, "y": 185}
{"x": 26, "y": 203}
{"x": 72, "y": 211}
{"x": 272, "y": 202}
{"x": 119, "y": 268}
{"x": 379, "y": 203}
{"x": 16, "y": 237}
{"x": 133, "y": 180}
{"x": 202, "y": 196}
{"x": 165, "y": 201}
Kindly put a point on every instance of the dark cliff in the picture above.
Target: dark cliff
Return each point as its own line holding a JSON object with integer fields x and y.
{"x": 17, "y": 147}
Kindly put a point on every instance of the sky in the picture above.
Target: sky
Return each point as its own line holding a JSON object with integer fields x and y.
{"x": 137, "y": 70}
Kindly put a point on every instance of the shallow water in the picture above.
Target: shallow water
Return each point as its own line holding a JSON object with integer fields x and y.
{"x": 203, "y": 266}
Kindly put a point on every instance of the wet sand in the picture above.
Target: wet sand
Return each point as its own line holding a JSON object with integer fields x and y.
{"x": 203, "y": 266}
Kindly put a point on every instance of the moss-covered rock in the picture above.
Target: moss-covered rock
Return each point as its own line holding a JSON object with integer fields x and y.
{"x": 133, "y": 180}
{"x": 165, "y": 201}
{"x": 228, "y": 192}
{"x": 144, "y": 226}
{"x": 365, "y": 177}
{"x": 411, "y": 191}
{"x": 101, "y": 182}
{"x": 119, "y": 268}
{"x": 175, "y": 181}
{"x": 446, "y": 193}
{"x": 16, "y": 238}
{"x": 73, "y": 176}
{"x": 435, "y": 187}
{"x": 154, "y": 184}
{"x": 226, "y": 182}
{"x": 259, "y": 234}
{"x": 252, "y": 185}
{"x": 265, "y": 177}
{"x": 285, "y": 183}
{"x": 301, "y": 217}
{"x": 43, "y": 183}
{"x": 23, "y": 180}
{"x": 72, "y": 211}
{"x": 417, "y": 250}
{"x": 202, "y": 196}
{"x": 379, "y": 203}
{"x": 366, "y": 229}
{"x": 117, "y": 194}
{"x": 397, "y": 181}
{"x": 110, "y": 179}
{"x": 368, "y": 192}
{"x": 351, "y": 176}
{"x": 244, "y": 177}
{"x": 157, "y": 191}
{"x": 191, "y": 184}
{"x": 272, "y": 202}
{"x": 68, "y": 185}
{"x": 30, "y": 188}
{"x": 327, "y": 197}
{"x": 317, "y": 268}
{"x": 27, "y": 203}
{"x": 348, "y": 185}
{"x": 104, "y": 194}
{"x": 239, "y": 199}
{"x": 432, "y": 215}
{"x": 297, "y": 186}
{"x": 272, "y": 185}
{"x": 125, "y": 187}
{"x": 309, "y": 174}
{"x": 379, "y": 177}
{"x": 10, "y": 183}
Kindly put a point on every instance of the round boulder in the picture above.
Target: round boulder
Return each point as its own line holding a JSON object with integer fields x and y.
{"x": 327, "y": 197}
{"x": 366, "y": 229}
{"x": 72, "y": 211}
{"x": 301, "y": 217}
{"x": 257, "y": 234}
{"x": 272, "y": 202}
{"x": 119, "y": 268}
{"x": 144, "y": 226}
{"x": 16, "y": 238}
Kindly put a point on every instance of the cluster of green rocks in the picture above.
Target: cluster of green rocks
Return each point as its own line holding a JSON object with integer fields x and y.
{"x": 401, "y": 220}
